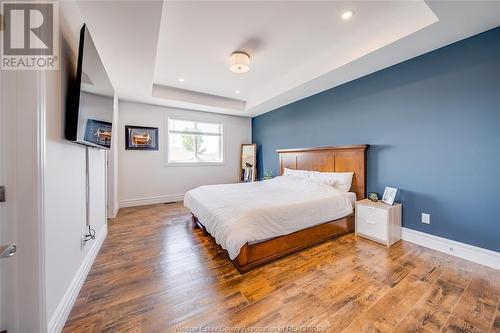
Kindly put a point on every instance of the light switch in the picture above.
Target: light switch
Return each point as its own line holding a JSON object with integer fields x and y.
{"x": 426, "y": 218}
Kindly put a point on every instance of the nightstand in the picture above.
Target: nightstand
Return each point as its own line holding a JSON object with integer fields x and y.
{"x": 378, "y": 221}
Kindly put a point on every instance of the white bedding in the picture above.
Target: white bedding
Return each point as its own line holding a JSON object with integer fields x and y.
{"x": 235, "y": 214}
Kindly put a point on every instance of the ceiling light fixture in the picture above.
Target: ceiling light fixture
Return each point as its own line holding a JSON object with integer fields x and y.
{"x": 240, "y": 62}
{"x": 347, "y": 15}
{"x": 237, "y": 91}
{"x": 181, "y": 79}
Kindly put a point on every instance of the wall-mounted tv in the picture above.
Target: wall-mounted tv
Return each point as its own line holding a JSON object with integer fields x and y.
{"x": 89, "y": 111}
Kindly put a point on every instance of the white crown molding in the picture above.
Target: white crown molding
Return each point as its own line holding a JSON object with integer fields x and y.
{"x": 64, "y": 307}
{"x": 465, "y": 251}
{"x": 151, "y": 200}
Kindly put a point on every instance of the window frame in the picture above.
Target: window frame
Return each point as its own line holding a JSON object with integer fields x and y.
{"x": 196, "y": 120}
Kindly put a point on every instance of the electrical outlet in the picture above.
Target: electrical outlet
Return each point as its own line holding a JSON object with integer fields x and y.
{"x": 426, "y": 218}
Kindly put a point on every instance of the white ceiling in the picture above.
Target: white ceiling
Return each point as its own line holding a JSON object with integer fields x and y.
{"x": 298, "y": 48}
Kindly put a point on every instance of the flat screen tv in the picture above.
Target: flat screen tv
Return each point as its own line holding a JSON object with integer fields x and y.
{"x": 89, "y": 111}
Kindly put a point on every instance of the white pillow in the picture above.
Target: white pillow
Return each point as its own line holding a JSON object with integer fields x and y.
{"x": 295, "y": 173}
{"x": 342, "y": 180}
{"x": 321, "y": 177}
{"x": 315, "y": 176}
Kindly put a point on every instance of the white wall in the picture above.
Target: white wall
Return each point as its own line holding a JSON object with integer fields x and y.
{"x": 65, "y": 204}
{"x": 143, "y": 176}
{"x": 113, "y": 183}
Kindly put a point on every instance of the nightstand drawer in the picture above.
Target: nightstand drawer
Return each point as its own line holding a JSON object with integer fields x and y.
{"x": 372, "y": 214}
{"x": 372, "y": 227}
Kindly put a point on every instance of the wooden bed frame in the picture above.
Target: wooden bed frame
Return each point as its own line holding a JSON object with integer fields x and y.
{"x": 326, "y": 159}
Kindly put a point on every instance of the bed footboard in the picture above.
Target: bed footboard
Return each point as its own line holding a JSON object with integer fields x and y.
{"x": 256, "y": 254}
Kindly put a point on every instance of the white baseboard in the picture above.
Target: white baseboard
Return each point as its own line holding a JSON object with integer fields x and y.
{"x": 465, "y": 251}
{"x": 58, "y": 319}
{"x": 151, "y": 200}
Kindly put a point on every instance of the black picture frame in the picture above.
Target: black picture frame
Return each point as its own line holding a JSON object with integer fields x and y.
{"x": 133, "y": 144}
{"x": 98, "y": 133}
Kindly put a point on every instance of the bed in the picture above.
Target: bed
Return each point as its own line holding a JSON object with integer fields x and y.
{"x": 261, "y": 221}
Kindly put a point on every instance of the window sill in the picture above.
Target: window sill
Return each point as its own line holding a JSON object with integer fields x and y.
{"x": 193, "y": 164}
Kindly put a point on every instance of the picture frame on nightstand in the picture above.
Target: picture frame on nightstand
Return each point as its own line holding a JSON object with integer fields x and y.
{"x": 389, "y": 195}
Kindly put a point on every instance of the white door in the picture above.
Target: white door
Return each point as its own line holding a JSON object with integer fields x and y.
{"x": 7, "y": 236}
{"x": 7, "y": 261}
{"x": 7, "y": 233}
{"x": 21, "y": 275}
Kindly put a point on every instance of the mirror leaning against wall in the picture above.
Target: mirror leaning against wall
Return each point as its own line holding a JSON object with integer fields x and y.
{"x": 248, "y": 168}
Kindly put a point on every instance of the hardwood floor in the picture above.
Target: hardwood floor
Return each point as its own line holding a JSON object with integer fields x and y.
{"x": 155, "y": 273}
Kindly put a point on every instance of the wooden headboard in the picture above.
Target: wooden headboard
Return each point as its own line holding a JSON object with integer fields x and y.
{"x": 329, "y": 159}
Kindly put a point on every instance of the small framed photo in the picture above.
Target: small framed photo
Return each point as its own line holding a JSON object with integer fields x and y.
{"x": 141, "y": 138}
{"x": 98, "y": 133}
{"x": 389, "y": 195}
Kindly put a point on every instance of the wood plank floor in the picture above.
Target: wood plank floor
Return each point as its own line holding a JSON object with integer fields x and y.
{"x": 155, "y": 273}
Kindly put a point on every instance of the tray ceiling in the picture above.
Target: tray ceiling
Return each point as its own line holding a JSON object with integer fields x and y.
{"x": 297, "y": 48}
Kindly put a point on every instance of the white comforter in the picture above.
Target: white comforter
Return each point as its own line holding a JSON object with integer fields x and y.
{"x": 235, "y": 214}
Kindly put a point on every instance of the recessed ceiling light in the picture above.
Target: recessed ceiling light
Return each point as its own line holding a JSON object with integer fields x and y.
{"x": 240, "y": 62}
{"x": 181, "y": 79}
{"x": 237, "y": 91}
{"x": 347, "y": 15}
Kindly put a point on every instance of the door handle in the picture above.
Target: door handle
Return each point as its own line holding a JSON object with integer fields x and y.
{"x": 7, "y": 251}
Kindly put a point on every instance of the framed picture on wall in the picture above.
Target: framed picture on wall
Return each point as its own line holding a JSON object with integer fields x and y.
{"x": 389, "y": 195}
{"x": 141, "y": 138}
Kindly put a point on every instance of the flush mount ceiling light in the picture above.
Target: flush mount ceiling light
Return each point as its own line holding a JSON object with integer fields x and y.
{"x": 347, "y": 15}
{"x": 237, "y": 91}
{"x": 239, "y": 62}
{"x": 181, "y": 79}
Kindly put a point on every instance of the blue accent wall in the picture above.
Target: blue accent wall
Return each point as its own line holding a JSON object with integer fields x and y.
{"x": 433, "y": 124}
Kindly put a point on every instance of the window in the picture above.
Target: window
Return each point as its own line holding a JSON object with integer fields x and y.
{"x": 194, "y": 142}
